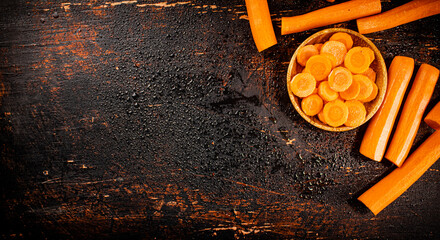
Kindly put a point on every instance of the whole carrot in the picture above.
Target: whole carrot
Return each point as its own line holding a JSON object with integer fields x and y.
{"x": 397, "y": 182}
{"x": 261, "y": 24}
{"x": 433, "y": 117}
{"x": 412, "y": 113}
{"x": 333, "y": 14}
{"x": 412, "y": 11}
{"x": 379, "y": 129}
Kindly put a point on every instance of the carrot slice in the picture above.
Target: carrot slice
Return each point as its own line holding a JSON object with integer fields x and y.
{"x": 326, "y": 93}
{"x": 398, "y": 181}
{"x": 357, "y": 60}
{"x": 302, "y": 84}
{"x": 331, "y": 58}
{"x": 336, "y": 49}
{"x": 312, "y": 105}
{"x": 319, "y": 66}
{"x": 261, "y": 24}
{"x": 433, "y": 117}
{"x": 318, "y": 46}
{"x": 370, "y": 53}
{"x": 335, "y": 113}
{"x": 371, "y": 74}
{"x": 333, "y": 14}
{"x": 305, "y": 53}
{"x": 373, "y": 94}
{"x": 412, "y": 113}
{"x": 344, "y": 38}
{"x": 379, "y": 129}
{"x": 352, "y": 92}
{"x": 340, "y": 79}
{"x": 366, "y": 87}
{"x": 356, "y": 113}
{"x": 411, "y": 11}
{"x": 321, "y": 116}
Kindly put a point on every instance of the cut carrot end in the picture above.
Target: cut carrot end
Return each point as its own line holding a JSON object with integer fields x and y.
{"x": 335, "y": 113}
{"x": 312, "y": 105}
{"x": 303, "y": 84}
{"x": 356, "y": 113}
{"x": 319, "y": 66}
{"x": 305, "y": 53}
{"x": 357, "y": 60}
{"x": 433, "y": 117}
{"x": 336, "y": 49}
{"x": 344, "y": 38}
{"x": 261, "y": 24}
{"x": 340, "y": 79}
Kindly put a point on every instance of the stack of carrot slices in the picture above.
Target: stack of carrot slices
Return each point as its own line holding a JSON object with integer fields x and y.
{"x": 336, "y": 81}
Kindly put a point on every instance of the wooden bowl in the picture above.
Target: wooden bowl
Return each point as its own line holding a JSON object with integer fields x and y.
{"x": 378, "y": 65}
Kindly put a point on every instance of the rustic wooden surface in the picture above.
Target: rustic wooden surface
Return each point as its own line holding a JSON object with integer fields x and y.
{"x": 150, "y": 119}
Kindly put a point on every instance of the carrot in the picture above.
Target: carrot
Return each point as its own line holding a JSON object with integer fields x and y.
{"x": 370, "y": 53}
{"x": 344, "y": 38}
{"x": 319, "y": 66}
{"x": 340, "y": 79}
{"x": 336, "y": 49}
{"x": 333, "y": 14}
{"x": 433, "y": 117}
{"x": 411, "y": 11}
{"x": 261, "y": 24}
{"x": 331, "y": 57}
{"x": 412, "y": 113}
{"x": 326, "y": 93}
{"x": 305, "y": 53}
{"x": 398, "y": 181}
{"x": 366, "y": 87}
{"x": 335, "y": 113}
{"x": 352, "y": 92}
{"x": 321, "y": 116}
{"x": 373, "y": 94}
{"x": 356, "y": 113}
{"x": 371, "y": 74}
{"x": 379, "y": 129}
{"x": 318, "y": 46}
{"x": 357, "y": 60}
{"x": 312, "y": 105}
{"x": 302, "y": 84}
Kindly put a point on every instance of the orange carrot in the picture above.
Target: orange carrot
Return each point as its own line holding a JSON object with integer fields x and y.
{"x": 318, "y": 46}
{"x": 305, "y": 53}
{"x": 379, "y": 129}
{"x": 356, "y": 113}
{"x": 312, "y": 105}
{"x": 333, "y": 14}
{"x": 336, "y": 49}
{"x": 344, "y": 38}
{"x": 261, "y": 24}
{"x": 366, "y": 87}
{"x": 412, "y": 11}
{"x": 433, "y": 117}
{"x": 373, "y": 94}
{"x": 398, "y": 181}
{"x": 326, "y": 93}
{"x": 352, "y": 92}
{"x": 331, "y": 57}
{"x": 302, "y": 84}
{"x": 371, "y": 74}
{"x": 412, "y": 113}
{"x": 335, "y": 113}
{"x": 370, "y": 53}
{"x": 357, "y": 60}
{"x": 321, "y": 116}
{"x": 319, "y": 66}
{"x": 340, "y": 79}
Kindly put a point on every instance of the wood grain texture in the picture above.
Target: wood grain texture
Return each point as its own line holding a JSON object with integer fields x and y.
{"x": 149, "y": 119}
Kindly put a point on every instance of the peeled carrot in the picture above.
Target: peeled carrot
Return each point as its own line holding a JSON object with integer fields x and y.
{"x": 398, "y": 181}
{"x": 335, "y": 113}
{"x": 333, "y": 14}
{"x": 326, "y": 93}
{"x": 357, "y": 60}
{"x": 321, "y": 116}
{"x": 344, "y": 38}
{"x": 412, "y": 113}
{"x": 379, "y": 129}
{"x": 352, "y": 92}
{"x": 336, "y": 49}
{"x": 261, "y": 24}
{"x": 412, "y": 11}
{"x": 312, "y": 105}
{"x": 373, "y": 94}
{"x": 366, "y": 87}
{"x": 340, "y": 79}
{"x": 356, "y": 113}
{"x": 433, "y": 117}
{"x": 318, "y": 46}
{"x": 331, "y": 57}
{"x": 305, "y": 53}
{"x": 371, "y": 74}
{"x": 319, "y": 66}
{"x": 302, "y": 84}
{"x": 370, "y": 53}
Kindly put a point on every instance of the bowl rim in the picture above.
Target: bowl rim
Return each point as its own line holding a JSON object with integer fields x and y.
{"x": 380, "y": 64}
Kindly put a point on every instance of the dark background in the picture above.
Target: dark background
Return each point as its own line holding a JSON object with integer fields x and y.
{"x": 149, "y": 119}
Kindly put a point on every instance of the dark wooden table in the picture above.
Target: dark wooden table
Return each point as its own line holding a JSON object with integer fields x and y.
{"x": 150, "y": 119}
